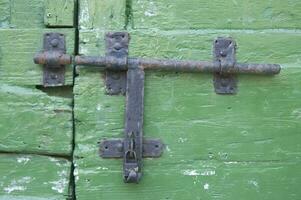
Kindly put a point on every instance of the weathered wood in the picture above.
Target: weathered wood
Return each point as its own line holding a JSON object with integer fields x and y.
{"x": 59, "y": 13}
{"x": 199, "y": 14}
{"x": 269, "y": 46}
{"x": 251, "y": 137}
{"x": 33, "y": 177}
{"x": 21, "y": 14}
{"x": 192, "y": 180}
{"x": 17, "y": 49}
{"x": 36, "y": 13}
{"x": 4, "y": 13}
{"x": 35, "y": 120}
{"x": 218, "y": 147}
{"x": 211, "y": 140}
{"x": 103, "y": 15}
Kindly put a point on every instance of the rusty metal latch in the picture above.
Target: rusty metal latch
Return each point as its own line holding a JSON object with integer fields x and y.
{"x": 125, "y": 75}
{"x": 223, "y": 66}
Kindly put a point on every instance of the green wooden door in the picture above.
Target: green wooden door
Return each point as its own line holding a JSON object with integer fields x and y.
{"x": 245, "y": 146}
{"x": 35, "y": 122}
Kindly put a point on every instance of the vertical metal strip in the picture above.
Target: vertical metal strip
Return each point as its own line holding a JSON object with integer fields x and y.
{"x": 54, "y": 73}
{"x": 117, "y": 47}
{"x": 133, "y": 125}
{"x": 224, "y": 50}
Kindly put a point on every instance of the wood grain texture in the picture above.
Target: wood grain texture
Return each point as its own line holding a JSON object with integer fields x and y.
{"x": 34, "y": 120}
{"x": 199, "y": 14}
{"x": 266, "y": 46}
{"x": 36, "y": 13}
{"x": 59, "y": 13}
{"x": 22, "y": 14}
{"x": 217, "y": 147}
{"x": 4, "y": 13}
{"x": 32, "y": 177}
{"x": 17, "y": 49}
{"x": 103, "y": 15}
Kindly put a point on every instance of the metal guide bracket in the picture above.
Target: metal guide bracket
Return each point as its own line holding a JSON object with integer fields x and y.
{"x": 117, "y": 44}
{"x": 54, "y": 70}
{"x": 224, "y": 50}
{"x": 113, "y": 148}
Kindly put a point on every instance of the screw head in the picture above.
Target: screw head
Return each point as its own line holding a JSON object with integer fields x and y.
{"x": 223, "y": 53}
{"x": 54, "y": 42}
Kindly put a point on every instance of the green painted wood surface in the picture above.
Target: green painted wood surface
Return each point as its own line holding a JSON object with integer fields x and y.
{"x": 59, "y": 13}
{"x": 210, "y": 140}
{"x": 33, "y": 177}
{"x": 21, "y": 14}
{"x": 215, "y": 14}
{"x": 112, "y": 14}
{"x": 217, "y": 147}
{"x": 33, "y": 13}
{"x": 34, "y": 120}
{"x": 4, "y": 13}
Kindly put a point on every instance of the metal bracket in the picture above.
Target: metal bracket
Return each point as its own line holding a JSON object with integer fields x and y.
{"x": 53, "y": 47}
{"x": 117, "y": 44}
{"x": 224, "y": 50}
{"x": 113, "y": 148}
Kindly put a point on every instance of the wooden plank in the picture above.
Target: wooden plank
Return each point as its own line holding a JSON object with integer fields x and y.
{"x": 104, "y": 14}
{"x": 200, "y": 14}
{"x": 34, "y": 120}
{"x": 194, "y": 180}
{"x": 31, "y": 14}
{"x": 17, "y": 49}
{"x": 33, "y": 177}
{"x": 59, "y": 13}
{"x": 253, "y": 46}
{"x": 22, "y": 14}
{"x": 4, "y": 13}
{"x": 218, "y": 147}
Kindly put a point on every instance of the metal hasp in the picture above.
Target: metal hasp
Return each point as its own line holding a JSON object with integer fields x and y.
{"x": 133, "y": 147}
{"x": 54, "y": 58}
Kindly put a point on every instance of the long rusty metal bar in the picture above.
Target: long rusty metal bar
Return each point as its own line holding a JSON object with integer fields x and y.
{"x": 162, "y": 64}
{"x": 158, "y": 64}
{"x": 178, "y": 65}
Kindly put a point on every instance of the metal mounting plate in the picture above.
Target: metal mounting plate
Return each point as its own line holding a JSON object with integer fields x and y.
{"x": 53, "y": 73}
{"x": 116, "y": 46}
{"x": 113, "y": 148}
{"x": 224, "y": 52}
